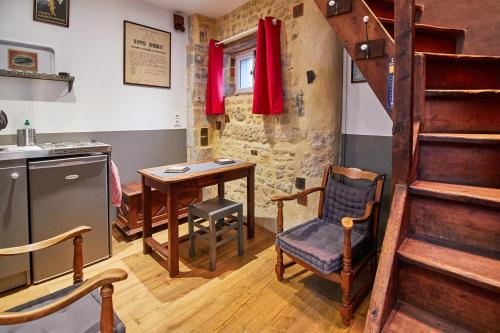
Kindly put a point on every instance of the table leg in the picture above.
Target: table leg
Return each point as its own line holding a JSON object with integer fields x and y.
{"x": 251, "y": 203}
{"x": 173, "y": 234}
{"x": 221, "y": 194}
{"x": 146, "y": 213}
{"x": 220, "y": 190}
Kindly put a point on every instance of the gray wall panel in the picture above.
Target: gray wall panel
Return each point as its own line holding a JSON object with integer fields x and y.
{"x": 371, "y": 153}
{"x": 132, "y": 150}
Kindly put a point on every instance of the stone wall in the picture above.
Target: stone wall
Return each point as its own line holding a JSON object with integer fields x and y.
{"x": 293, "y": 145}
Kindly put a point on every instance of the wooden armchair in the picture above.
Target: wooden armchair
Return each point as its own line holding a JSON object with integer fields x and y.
{"x": 80, "y": 301}
{"x": 342, "y": 240}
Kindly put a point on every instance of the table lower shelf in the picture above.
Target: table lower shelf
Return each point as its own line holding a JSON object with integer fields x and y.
{"x": 136, "y": 231}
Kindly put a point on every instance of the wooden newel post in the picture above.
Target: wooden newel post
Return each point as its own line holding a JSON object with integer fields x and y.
{"x": 78, "y": 259}
{"x": 404, "y": 35}
{"x": 107, "y": 315}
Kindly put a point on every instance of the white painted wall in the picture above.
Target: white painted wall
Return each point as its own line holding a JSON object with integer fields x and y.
{"x": 362, "y": 112}
{"x": 91, "y": 49}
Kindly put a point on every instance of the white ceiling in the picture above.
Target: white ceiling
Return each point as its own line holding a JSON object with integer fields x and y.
{"x": 210, "y": 8}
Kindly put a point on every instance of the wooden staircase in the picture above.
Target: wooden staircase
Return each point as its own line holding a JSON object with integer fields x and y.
{"x": 439, "y": 269}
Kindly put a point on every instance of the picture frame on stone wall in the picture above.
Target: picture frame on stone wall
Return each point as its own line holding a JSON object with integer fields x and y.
{"x": 356, "y": 75}
{"x": 146, "y": 56}
{"x": 52, "y": 11}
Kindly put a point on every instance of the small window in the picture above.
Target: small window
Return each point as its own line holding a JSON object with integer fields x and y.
{"x": 244, "y": 71}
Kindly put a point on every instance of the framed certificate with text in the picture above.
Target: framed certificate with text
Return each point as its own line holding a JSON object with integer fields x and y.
{"x": 146, "y": 56}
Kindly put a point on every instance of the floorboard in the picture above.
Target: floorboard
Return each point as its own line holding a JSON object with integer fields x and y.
{"x": 243, "y": 295}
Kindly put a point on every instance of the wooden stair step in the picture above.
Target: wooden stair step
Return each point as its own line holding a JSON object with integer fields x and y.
{"x": 385, "y": 8}
{"x": 468, "y": 225}
{"x": 462, "y": 72}
{"x": 419, "y": 27}
{"x": 408, "y": 318}
{"x": 462, "y": 193}
{"x": 462, "y": 93}
{"x": 471, "y": 138}
{"x": 458, "y": 160}
{"x": 475, "y": 269}
{"x": 430, "y": 38}
{"x": 461, "y": 111}
{"x": 460, "y": 302}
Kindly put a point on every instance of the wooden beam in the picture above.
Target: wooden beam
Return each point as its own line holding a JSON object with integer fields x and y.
{"x": 404, "y": 35}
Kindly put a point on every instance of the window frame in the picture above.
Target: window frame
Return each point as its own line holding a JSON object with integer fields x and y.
{"x": 238, "y": 57}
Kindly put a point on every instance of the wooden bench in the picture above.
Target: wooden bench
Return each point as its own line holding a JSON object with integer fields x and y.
{"x": 129, "y": 217}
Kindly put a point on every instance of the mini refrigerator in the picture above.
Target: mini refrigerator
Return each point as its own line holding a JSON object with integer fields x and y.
{"x": 65, "y": 193}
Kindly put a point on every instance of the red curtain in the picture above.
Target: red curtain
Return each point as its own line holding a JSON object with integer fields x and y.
{"x": 268, "y": 87}
{"x": 215, "y": 79}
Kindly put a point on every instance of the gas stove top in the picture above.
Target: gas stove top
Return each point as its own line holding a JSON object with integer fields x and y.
{"x": 76, "y": 147}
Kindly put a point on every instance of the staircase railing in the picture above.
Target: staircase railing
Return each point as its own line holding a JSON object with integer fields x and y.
{"x": 385, "y": 287}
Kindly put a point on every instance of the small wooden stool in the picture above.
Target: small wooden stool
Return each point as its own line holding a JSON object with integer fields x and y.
{"x": 215, "y": 211}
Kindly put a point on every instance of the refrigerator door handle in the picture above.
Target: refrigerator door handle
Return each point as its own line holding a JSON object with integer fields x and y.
{"x": 60, "y": 163}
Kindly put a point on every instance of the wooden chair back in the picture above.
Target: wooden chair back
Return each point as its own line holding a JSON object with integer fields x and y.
{"x": 356, "y": 174}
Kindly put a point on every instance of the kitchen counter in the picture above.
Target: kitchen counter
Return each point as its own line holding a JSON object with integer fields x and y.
{"x": 13, "y": 152}
{"x": 51, "y": 149}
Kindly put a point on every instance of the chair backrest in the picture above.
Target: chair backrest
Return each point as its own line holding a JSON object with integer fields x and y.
{"x": 341, "y": 200}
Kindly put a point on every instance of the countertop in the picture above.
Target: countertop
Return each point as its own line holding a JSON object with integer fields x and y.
{"x": 13, "y": 152}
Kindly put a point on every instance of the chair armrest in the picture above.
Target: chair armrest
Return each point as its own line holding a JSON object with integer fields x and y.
{"x": 296, "y": 195}
{"x": 281, "y": 198}
{"x": 103, "y": 279}
{"x": 44, "y": 244}
{"x": 348, "y": 222}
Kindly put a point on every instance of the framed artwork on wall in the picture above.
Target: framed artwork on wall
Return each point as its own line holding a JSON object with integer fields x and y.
{"x": 356, "y": 75}
{"x": 22, "y": 60}
{"x": 51, "y": 11}
{"x": 146, "y": 56}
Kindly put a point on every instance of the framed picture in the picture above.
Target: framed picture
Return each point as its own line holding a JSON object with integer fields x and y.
{"x": 146, "y": 56}
{"x": 356, "y": 75}
{"x": 51, "y": 11}
{"x": 22, "y": 60}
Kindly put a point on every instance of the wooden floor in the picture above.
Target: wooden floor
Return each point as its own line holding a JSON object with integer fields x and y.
{"x": 243, "y": 295}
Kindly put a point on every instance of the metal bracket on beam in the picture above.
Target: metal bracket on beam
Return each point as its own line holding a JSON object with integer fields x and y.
{"x": 370, "y": 49}
{"x": 337, "y": 7}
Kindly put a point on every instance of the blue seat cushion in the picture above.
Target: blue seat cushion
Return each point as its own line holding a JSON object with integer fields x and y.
{"x": 343, "y": 200}
{"x": 82, "y": 316}
{"x": 320, "y": 244}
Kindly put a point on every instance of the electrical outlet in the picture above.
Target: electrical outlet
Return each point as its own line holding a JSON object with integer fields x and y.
{"x": 177, "y": 120}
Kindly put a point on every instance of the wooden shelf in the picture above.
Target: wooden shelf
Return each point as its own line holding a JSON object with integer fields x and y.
{"x": 39, "y": 76}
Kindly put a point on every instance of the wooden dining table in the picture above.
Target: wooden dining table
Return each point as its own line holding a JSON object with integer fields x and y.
{"x": 190, "y": 184}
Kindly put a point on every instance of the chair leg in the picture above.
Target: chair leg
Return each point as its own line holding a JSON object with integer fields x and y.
{"x": 346, "y": 284}
{"x": 192, "y": 250}
{"x": 213, "y": 244}
{"x": 107, "y": 315}
{"x": 279, "y": 268}
{"x": 240, "y": 232}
